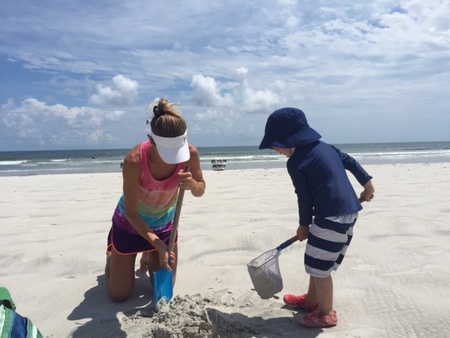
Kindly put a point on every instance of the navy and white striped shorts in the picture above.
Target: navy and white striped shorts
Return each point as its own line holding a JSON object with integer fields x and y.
{"x": 328, "y": 240}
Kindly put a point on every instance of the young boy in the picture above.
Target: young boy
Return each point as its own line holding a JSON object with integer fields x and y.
{"x": 327, "y": 204}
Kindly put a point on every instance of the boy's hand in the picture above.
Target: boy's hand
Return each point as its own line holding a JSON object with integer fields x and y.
{"x": 368, "y": 194}
{"x": 302, "y": 233}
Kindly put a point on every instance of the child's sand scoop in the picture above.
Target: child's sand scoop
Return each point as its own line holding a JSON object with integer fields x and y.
{"x": 265, "y": 272}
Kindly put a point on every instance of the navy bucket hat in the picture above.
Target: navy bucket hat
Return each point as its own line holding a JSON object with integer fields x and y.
{"x": 288, "y": 128}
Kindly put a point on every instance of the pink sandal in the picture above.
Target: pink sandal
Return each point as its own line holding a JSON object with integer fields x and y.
{"x": 299, "y": 302}
{"x": 316, "y": 319}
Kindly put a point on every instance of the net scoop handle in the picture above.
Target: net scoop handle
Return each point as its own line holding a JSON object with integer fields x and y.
{"x": 290, "y": 241}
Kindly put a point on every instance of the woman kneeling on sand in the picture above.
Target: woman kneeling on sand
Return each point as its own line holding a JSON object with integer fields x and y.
{"x": 143, "y": 219}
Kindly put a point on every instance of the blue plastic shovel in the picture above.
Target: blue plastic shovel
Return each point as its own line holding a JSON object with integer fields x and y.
{"x": 163, "y": 279}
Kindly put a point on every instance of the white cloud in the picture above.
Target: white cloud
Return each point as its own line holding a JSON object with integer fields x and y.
{"x": 240, "y": 96}
{"x": 115, "y": 115}
{"x": 124, "y": 94}
{"x": 260, "y": 101}
{"x": 35, "y": 122}
{"x": 241, "y": 71}
{"x": 229, "y": 66}
{"x": 208, "y": 92}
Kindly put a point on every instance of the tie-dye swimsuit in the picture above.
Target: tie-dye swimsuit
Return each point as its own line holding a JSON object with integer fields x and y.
{"x": 157, "y": 203}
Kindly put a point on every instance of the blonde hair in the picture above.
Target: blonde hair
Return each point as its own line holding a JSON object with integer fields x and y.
{"x": 167, "y": 122}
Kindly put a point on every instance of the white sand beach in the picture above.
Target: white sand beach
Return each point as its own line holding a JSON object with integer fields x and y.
{"x": 394, "y": 281}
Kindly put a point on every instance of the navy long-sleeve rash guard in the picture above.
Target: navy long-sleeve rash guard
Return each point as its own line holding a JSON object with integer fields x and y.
{"x": 318, "y": 172}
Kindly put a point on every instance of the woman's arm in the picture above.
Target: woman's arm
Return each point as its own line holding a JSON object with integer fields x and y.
{"x": 193, "y": 180}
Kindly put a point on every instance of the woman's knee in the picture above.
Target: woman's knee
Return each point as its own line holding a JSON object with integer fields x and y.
{"x": 120, "y": 289}
{"x": 120, "y": 279}
{"x": 119, "y": 297}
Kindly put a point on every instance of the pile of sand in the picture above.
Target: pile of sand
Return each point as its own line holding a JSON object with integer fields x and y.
{"x": 191, "y": 317}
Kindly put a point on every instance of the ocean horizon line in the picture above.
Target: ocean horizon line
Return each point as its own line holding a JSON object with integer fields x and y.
{"x": 222, "y": 146}
{"x": 37, "y": 162}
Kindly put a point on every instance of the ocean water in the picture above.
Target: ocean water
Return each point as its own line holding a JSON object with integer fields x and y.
{"x": 24, "y": 163}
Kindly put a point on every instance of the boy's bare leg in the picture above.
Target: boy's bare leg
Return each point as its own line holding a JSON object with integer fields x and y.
{"x": 311, "y": 296}
{"x": 324, "y": 287}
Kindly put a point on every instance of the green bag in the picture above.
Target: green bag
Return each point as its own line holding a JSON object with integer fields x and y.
{"x": 12, "y": 324}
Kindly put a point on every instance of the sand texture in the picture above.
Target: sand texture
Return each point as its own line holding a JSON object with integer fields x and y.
{"x": 394, "y": 281}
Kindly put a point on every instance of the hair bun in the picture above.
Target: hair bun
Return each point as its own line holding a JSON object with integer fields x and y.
{"x": 158, "y": 111}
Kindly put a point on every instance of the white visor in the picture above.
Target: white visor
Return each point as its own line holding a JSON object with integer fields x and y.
{"x": 172, "y": 149}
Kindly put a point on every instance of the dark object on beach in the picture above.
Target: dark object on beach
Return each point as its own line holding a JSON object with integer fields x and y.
{"x": 219, "y": 164}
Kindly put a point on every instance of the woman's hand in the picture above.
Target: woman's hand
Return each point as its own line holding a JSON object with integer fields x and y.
{"x": 166, "y": 259}
{"x": 185, "y": 180}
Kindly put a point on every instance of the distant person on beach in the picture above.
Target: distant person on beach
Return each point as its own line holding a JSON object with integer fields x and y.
{"x": 327, "y": 203}
{"x": 143, "y": 219}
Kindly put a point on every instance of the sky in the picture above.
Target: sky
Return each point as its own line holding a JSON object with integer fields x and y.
{"x": 81, "y": 74}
